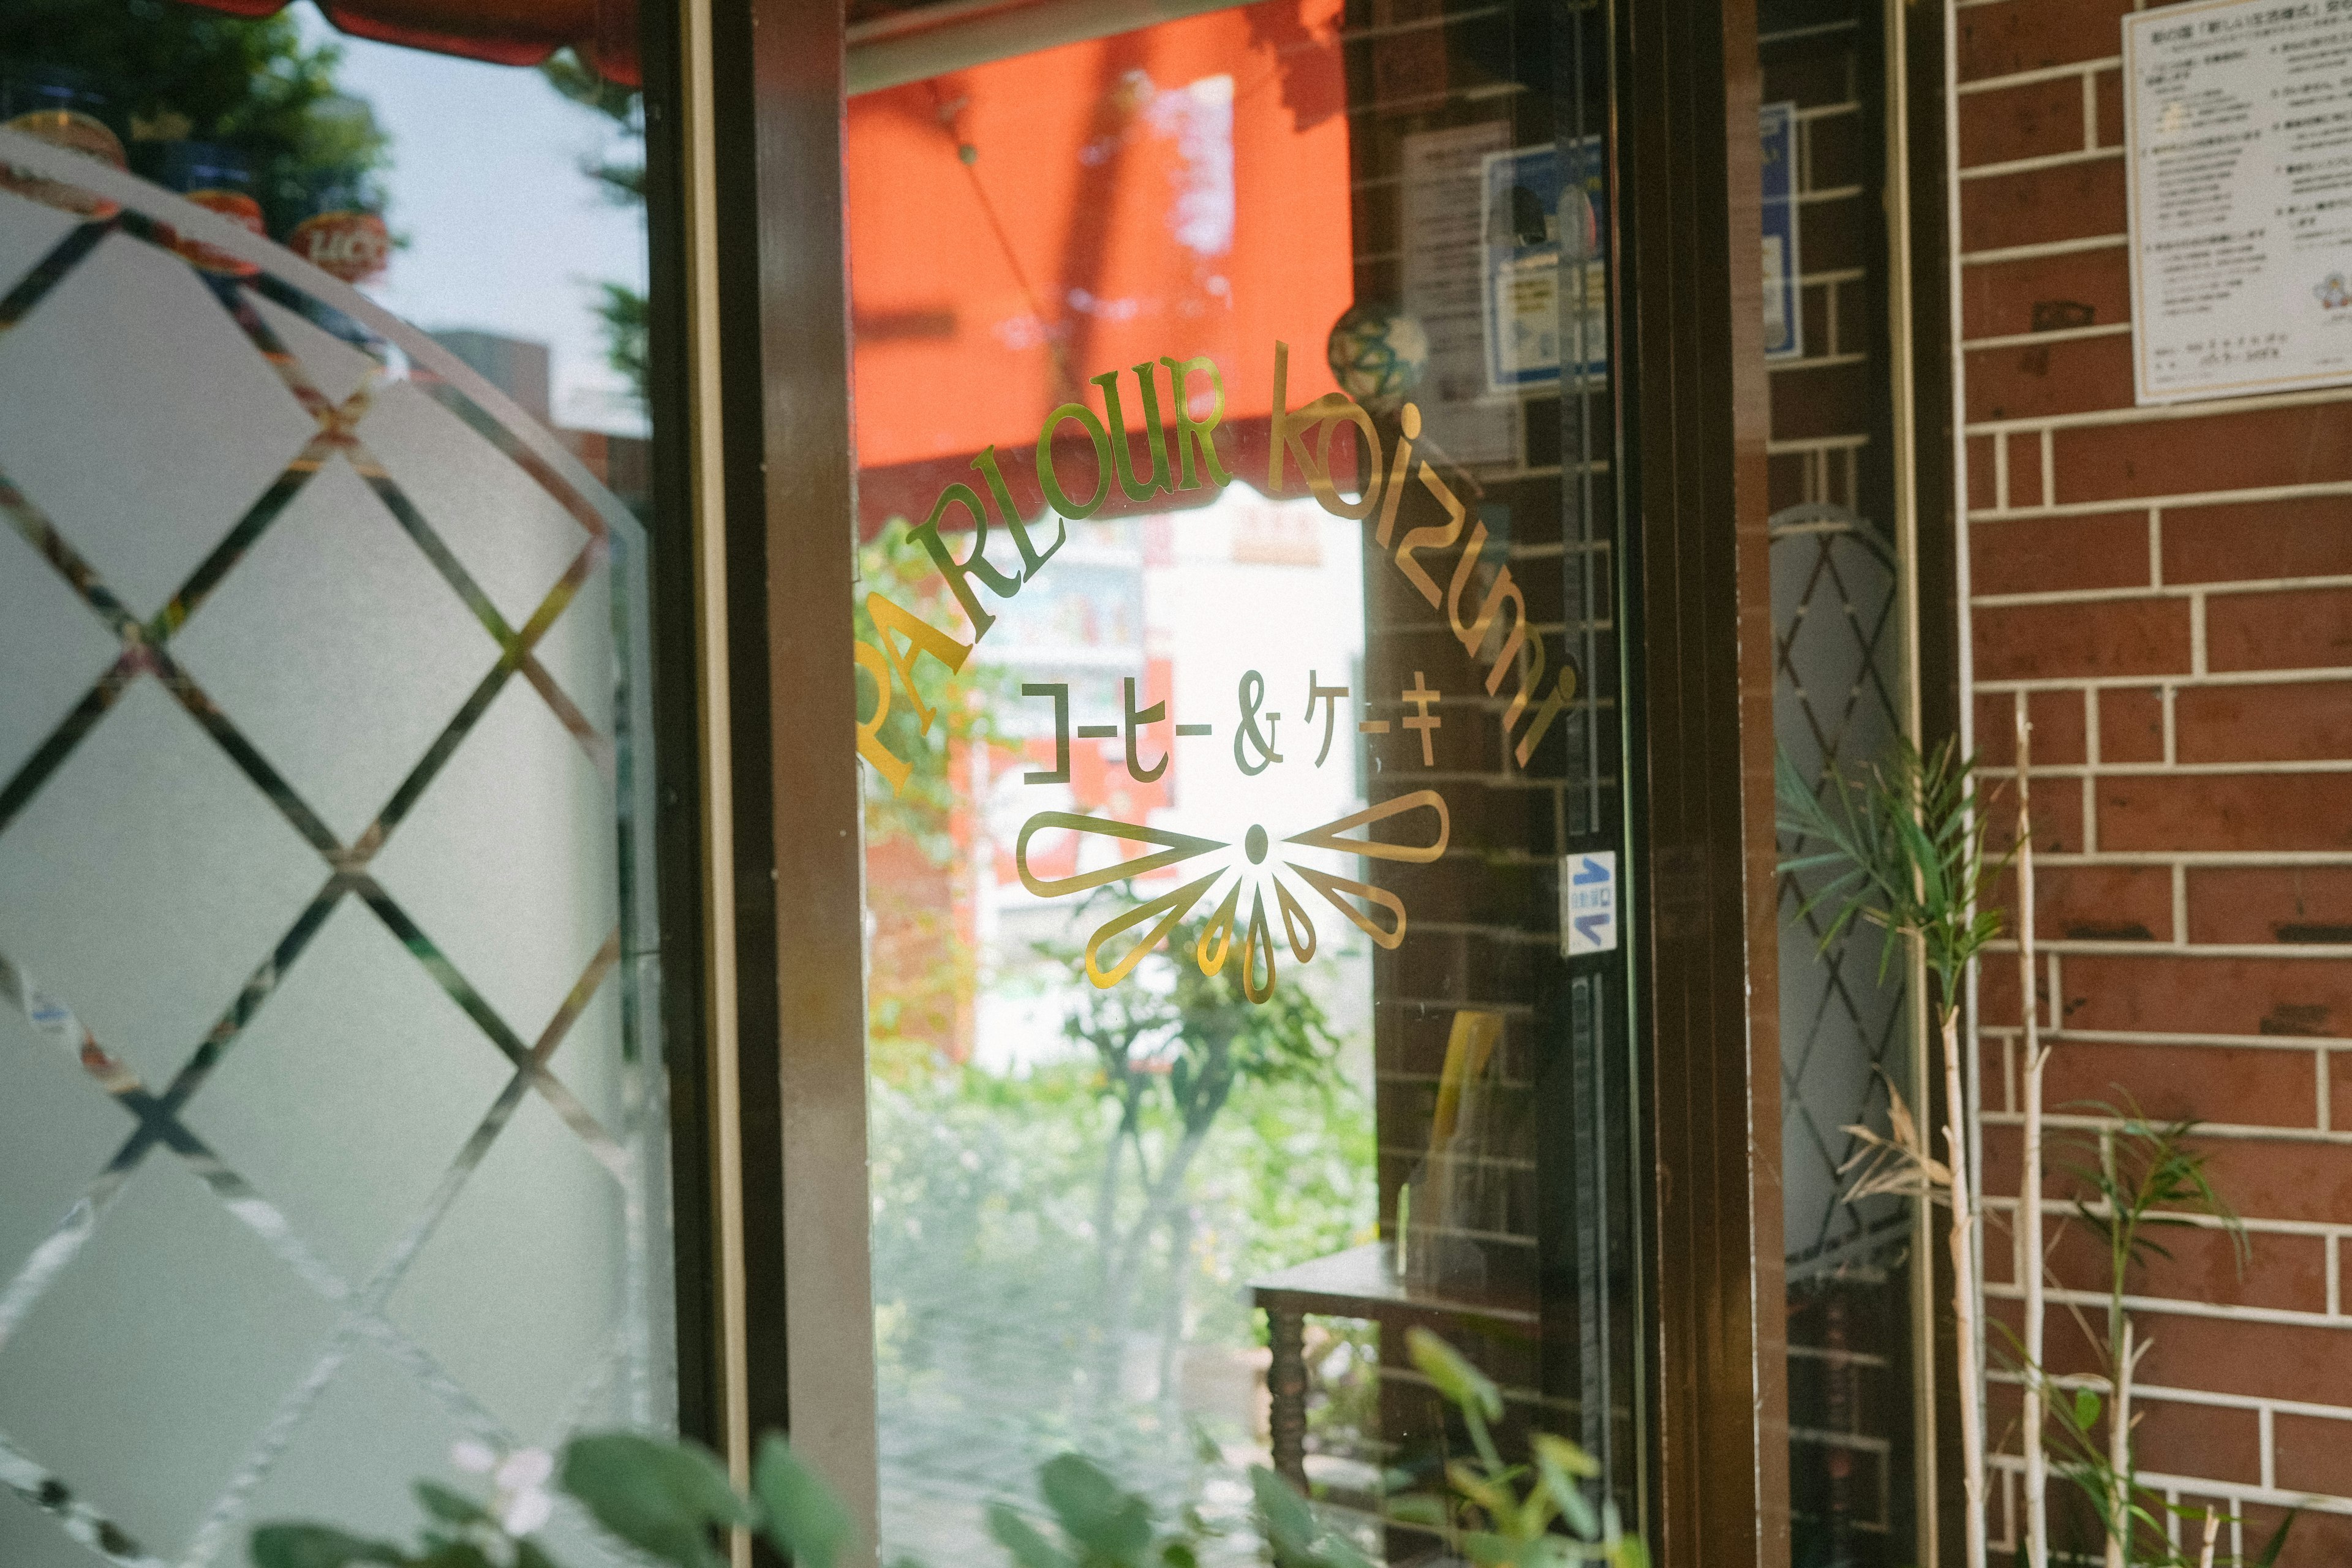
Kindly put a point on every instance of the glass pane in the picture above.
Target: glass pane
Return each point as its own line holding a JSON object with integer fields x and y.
{"x": 1839, "y": 702}
{"x": 328, "y": 1122}
{"x": 1239, "y": 714}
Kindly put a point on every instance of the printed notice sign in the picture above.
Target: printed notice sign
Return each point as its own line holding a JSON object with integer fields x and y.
{"x": 1588, "y": 903}
{"x": 2239, "y": 127}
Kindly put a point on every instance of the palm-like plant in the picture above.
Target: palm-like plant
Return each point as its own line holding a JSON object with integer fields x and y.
{"x": 1902, "y": 848}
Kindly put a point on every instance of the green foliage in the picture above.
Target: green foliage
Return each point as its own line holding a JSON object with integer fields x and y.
{"x": 673, "y": 1502}
{"x": 1903, "y": 845}
{"x": 1102, "y": 1525}
{"x": 1522, "y": 1516}
{"x": 2140, "y": 1176}
{"x": 665, "y": 1499}
{"x": 248, "y": 85}
{"x": 802, "y": 1517}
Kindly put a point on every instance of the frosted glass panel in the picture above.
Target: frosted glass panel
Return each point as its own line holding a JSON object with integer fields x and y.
{"x": 293, "y": 642}
{"x": 192, "y": 424}
{"x": 330, "y": 1124}
{"x": 147, "y": 880}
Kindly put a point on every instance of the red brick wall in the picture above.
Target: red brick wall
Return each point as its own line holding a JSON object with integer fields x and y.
{"x": 2171, "y": 591}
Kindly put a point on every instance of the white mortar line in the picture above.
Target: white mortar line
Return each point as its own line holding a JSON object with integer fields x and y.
{"x": 2163, "y": 590}
{"x": 2161, "y": 413}
{"x": 2042, "y": 160}
{"x": 2053, "y": 335}
{"x": 2040, "y": 73}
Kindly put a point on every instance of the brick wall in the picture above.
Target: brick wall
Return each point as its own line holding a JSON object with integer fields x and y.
{"x": 2170, "y": 591}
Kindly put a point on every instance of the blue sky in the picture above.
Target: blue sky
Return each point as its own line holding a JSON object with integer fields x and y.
{"x": 505, "y": 233}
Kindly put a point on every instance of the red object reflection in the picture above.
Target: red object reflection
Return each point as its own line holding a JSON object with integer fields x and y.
{"x": 502, "y": 32}
{"x": 1021, "y": 226}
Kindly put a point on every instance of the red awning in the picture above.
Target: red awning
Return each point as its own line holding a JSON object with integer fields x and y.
{"x": 1018, "y": 227}
{"x": 503, "y": 32}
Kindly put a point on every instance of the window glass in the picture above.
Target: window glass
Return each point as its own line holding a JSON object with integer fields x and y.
{"x": 329, "y": 1120}
{"x": 1238, "y": 719}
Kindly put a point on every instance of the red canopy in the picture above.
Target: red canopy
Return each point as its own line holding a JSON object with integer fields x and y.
{"x": 1018, "y": 227}
{"x": 503, "y": 32}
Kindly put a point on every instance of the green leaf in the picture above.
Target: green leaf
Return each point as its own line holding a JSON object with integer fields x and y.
{"x": 318, "y": 1546}
{"x": 804, "y": 1520}
{"x": 663, "y": 1498}
{"x": 454, "y": 1507}
{"x": 1092, "y": 1511}
{"x": 2086, "y": 1409}
{"x": 1562, "y": 1464}
{"x": 1019, "y": 1537}
{"x": 1288, "y": 1523}
{"x": 1180, "y": 1555}
{"x": 1455, "y": 1378}
{"x": 1419, "y": 1507}
{"x": 2269, "y": 1554}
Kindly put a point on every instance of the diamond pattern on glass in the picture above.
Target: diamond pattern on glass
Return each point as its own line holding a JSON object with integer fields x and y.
{"x": 147, "y": 880}
{"x": 30, "y": 1539}
{"x": 334, "y": 367}
{"x": 59, "y": 1134}
{"x": 350, "y": 1097}
{"x": 1835, "y": 643}
{"x": 508, "y": 864}
{"x": 541, "y": 1215}
{"x": 313, "y": 1088}
{"x": 511, "y": 536}
{"x": 353, "y": 1457}
{"x": 290, "y": 648}
{"x": 577, "y": 650}
{"x": 171, "y": 428}
{"x": 28, "y": 231}
{"x": 53, "y": 648}
{"x": 153, "y": 1362}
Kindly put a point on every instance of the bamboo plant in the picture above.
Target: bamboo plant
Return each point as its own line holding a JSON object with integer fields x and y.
{"x": 2034, "y": 1255}
{"x": 1902, "y": 848}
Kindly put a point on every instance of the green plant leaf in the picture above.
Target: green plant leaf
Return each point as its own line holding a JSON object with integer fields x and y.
{"x": 318, "y": 1546}
{"x": 2269, "y": 1554}
{"x": 1455, "y": 1378}
{"x": 454, "y": 1507}
{"x": 1562, "y": 1463}
{"x": 1283, "y": 1515}
{"x": 663, "y": 1498}
{"x": 804, "y": 1520}
{"x": 2086, "y": 1408}
{"x": 1420, "y": 1509}
{"x": 1092, "y": 1510}
{"x": 1018, "y": 1536}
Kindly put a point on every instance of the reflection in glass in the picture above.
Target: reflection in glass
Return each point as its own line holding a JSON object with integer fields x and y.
{"x": 1233, "y": 413}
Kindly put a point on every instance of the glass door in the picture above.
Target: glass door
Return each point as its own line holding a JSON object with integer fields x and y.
{"x": 1243, "y": 841}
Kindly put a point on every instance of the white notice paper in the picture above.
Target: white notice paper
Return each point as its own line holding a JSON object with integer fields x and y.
{"x": 1444, "y": 268}
{"x": 2238, "y": 126}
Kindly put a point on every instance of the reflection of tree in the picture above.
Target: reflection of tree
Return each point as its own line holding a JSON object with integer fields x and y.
{"x": 620, "y": 307}
{"x": 162, "y": 72}
{"x": 1173, "y": 1046}
{"x": 923, "y": 964}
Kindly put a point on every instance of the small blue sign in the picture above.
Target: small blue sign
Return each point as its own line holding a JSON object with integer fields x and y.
{"x": 1784, "y": 319}
{"x": 1588, "y": 903}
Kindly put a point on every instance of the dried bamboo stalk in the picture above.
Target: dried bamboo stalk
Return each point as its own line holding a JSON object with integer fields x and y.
{"x": 1964, "y": 1295}
{"x": 2029, "y": 1187}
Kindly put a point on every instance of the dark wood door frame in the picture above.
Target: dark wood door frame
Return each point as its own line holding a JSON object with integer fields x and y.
{"x": 1693, "y": 418}
{"x": 1696, "y": 408}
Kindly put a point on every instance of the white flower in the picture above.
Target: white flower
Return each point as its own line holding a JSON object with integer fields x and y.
{"x": 519, "y": 1500}
{"x": 522, "y": 1503}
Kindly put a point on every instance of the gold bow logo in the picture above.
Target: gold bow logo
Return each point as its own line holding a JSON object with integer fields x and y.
{"x": 1252, "y": 872}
